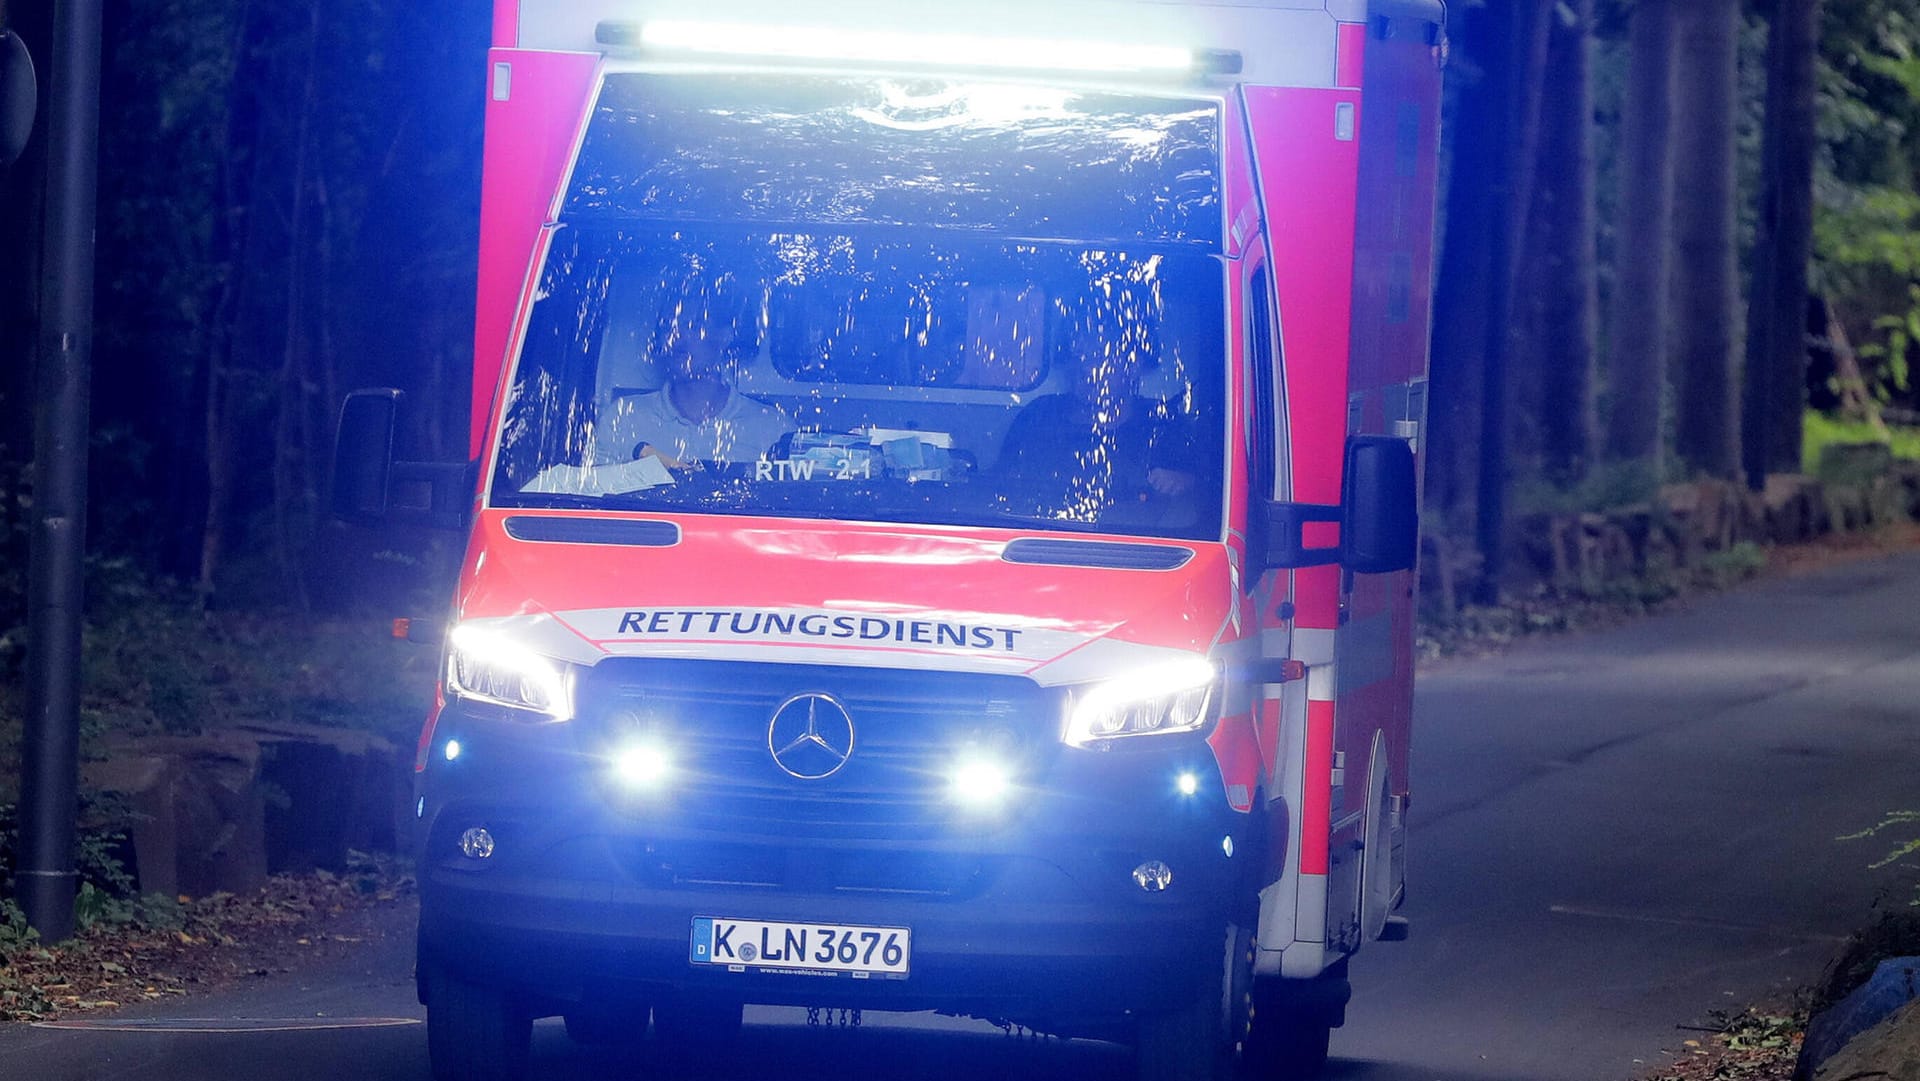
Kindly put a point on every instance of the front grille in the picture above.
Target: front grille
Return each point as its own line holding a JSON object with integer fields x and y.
{"x": 910, "y": 728}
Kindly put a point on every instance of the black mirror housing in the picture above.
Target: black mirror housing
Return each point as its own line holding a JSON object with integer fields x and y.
{"x": 1286, "y": 535}
{"x": 18, "y": 90}
{"x": 370, "y": 488}
{"x": 1380, "y": 533}
{"x": 363, "y": 455}
{"x": 1378, "y": 516}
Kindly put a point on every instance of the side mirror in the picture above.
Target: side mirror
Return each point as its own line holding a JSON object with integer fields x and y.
{"x": 1287, "y": 535}
{"x": 370, "y": 488}
{"x": 1381, "y": 531}
{"x": 1378, "y": 517}
{"x": 363, "y": 455}
{"x": 17, "y": 97}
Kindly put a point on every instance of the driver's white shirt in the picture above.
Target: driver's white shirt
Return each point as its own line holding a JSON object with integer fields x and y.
{"x": 742, "y": 431}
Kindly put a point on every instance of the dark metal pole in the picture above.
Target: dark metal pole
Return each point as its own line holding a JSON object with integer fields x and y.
{"x": 50, "y": 752}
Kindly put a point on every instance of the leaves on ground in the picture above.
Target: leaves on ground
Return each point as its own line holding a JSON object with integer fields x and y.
{"x": 1758, "y": 1045}
{"x": 157, "y": 947}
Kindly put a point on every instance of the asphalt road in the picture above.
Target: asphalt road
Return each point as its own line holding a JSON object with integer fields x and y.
{"x": 1612, "y": 834}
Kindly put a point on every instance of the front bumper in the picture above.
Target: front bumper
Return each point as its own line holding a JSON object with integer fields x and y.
{"x": 1028, "y": 913}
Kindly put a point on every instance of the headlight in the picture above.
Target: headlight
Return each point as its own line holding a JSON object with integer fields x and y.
{"x": 491, "y": 667}
{"x": 1156, "y": 701}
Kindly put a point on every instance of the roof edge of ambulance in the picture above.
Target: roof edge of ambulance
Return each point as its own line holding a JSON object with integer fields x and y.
{"x": 1282, "y": 42}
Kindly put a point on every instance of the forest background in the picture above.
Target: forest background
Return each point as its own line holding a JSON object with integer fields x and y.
{"x": 1681, "y": 238}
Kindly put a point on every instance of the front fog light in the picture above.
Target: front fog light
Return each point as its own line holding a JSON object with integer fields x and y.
{"x": 642, "y": 766}
{"x": 476, "y": 844}
{"x": 980, "y": 784}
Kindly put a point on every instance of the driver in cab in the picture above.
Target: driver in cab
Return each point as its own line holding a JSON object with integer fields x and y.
{"x": 1101, "y": 446}
{"x": 706, "y": 332}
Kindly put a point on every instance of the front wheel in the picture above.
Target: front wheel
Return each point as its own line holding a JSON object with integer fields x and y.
{"x": 1199, "y": 1041}
{"x": 1184, "y": 1045}
{"x": 475, "y": 1033}
{"x": 1289, "y": 1025}
{"x": 1284, "y": 1047}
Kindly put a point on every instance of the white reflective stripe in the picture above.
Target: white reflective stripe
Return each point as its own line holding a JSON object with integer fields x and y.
{"x": 1310, "y": 923}
{"x": 1279, "y": 907}
{"x": 1313, "y": 646}
{"x": 1303, "y": 960}
{"x": 1322, "y": 683}
{"x": 1306, "y": 956}
{"x": 1275, "y": 642}
{"x": 1276, "y": 925}
{"x": 1288, "y": 780}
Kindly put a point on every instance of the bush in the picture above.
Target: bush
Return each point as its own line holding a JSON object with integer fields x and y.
{"x": 1821, "y": 431}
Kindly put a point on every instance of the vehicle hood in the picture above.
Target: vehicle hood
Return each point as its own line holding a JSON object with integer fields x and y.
{"x": 585, "y": 586}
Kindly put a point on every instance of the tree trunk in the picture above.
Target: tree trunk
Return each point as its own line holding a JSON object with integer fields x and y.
{"x": 1514, "y": 190}
{"x": 1478, "y": 140}
{"x": 1556, "y": 427}
{"x": 231, "y": 243}
{"x": 291, "y": 401}
{"x": 1706, "y": 292}
{"x": 1776, "y": 368}
{"x": 1637, "y": 341}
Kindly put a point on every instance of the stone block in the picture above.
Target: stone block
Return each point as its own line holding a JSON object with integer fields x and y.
{"x": 1894, "y": 984}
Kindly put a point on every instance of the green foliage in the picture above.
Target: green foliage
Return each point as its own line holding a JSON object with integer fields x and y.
{"x": 1902, "y": 333}
{"x": 1607, "y": 486}
{"x": 1719, "y": 570}
{"x": 155, "y": 661}
{"x": 1867, "y": 187}
{"x": 1904, "y": 850}
{"x": 1820, "y": 431}
{"x": 97, "y": 848}
{"x": 1758, "y": 1031}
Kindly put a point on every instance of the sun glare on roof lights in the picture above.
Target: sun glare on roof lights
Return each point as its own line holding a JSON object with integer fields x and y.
{"x": 883, "y": 46}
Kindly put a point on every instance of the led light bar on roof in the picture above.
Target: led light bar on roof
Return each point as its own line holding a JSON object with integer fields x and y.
{"x": 852, "y": 45}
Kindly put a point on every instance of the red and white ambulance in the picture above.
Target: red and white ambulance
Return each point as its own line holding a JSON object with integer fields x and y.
{"x": 944, "y": 521}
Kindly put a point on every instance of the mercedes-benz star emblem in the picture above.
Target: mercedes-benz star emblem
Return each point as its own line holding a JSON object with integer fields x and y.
{"x": 811, "y": 736}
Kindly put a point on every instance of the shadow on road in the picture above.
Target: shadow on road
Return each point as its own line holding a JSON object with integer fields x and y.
{"x": 795, "y": 1053}
{"x": 909, "y": 1049}
{"x": 882, "y": 1053}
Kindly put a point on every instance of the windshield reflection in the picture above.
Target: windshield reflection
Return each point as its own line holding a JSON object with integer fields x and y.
{"x": 871, "y": 376}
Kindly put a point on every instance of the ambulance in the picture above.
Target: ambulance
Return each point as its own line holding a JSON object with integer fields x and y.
{"x": 941, "y": 522}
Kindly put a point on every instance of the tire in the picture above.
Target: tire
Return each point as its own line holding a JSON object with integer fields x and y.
{"x": 475, "y": 1033}
{"x": 1285, "y": 1048}
{"x": 609, "y": 1026}
{"x": 1184, "y": 1045}
{"x": 1199, "y": 1041}
{"x": 1284, "y": 1042}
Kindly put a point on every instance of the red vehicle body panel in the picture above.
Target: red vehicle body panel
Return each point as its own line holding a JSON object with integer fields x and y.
{"x": 1329, "y": 180}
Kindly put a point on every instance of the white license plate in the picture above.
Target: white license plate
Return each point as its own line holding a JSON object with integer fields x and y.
{"x": 813, "y": 948}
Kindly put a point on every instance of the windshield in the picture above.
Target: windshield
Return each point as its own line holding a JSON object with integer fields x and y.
{"x": 883, "y": 374}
